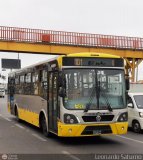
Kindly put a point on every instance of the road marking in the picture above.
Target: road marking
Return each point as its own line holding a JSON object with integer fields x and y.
{"x": 129, "y": 139}
{"x": 70, "y": 155}
{"x": 5, "y": 118}
{"x": 37, "y": 136}
{"x": 18, "y": 125}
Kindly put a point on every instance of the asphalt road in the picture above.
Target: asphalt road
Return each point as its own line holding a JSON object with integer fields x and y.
{"x": 24, "y": 141}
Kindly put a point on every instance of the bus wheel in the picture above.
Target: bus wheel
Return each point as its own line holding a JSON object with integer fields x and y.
{"x": 44, "y": 127}
{"x": 136, "y": 127}
{"x": 16, "y": 114}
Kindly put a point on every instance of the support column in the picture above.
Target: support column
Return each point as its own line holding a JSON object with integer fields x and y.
{"x": 133, "y": 70}
{"x": 131, "y": 65}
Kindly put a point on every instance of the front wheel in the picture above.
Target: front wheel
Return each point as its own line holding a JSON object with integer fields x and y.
{"x": 44, "y": 127}
{"x": 136, "y": 127}
{"x": 17, "y": 115}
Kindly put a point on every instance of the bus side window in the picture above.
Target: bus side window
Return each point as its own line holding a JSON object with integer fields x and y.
{"x": 22, "y": 79}
{"x": 17, "y": 84}
{"x": 35, "y": 83}
{"x": 28, "y": 86}
{"x": 43, "y": 84}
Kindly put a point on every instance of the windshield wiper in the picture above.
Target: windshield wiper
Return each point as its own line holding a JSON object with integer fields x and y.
{"x": 109, "y": 107}
{"x": 107, "y": 101}
{"x": 97, "y": 90}
{"x": 87, "y": 107}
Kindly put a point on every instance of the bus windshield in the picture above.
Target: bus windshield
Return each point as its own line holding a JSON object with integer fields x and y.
{"x": 82, "y": 89}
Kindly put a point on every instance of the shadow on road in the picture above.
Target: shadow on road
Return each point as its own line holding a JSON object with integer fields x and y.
{"x": 74, "y": 141}
{"x": 96, "y": 140}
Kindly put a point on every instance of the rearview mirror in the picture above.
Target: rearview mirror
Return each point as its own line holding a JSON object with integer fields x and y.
{"x": 130, "y": 105}
{"x": 127, "y": 82}
{"x": 62, "y": 92}
{"x": 62, "y": 80}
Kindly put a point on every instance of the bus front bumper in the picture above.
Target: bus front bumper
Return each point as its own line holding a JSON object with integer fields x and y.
{"x": 77, "y": 130}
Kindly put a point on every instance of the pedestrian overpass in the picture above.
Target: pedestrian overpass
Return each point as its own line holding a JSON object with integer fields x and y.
{"x": 26, "y": 40}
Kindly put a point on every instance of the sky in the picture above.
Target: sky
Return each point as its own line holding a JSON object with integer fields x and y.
{"x": 109, "y": 17}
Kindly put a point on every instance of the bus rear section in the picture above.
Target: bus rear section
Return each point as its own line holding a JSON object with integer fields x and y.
{"x": 72, "y": 96}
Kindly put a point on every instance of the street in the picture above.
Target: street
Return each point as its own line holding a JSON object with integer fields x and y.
{"x": 22, "y": 138}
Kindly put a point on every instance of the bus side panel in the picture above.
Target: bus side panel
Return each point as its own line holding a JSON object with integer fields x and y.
{"x": 29, "y": 107}
{"x": 29, "y": 116}
{"x": 8, "y": 107}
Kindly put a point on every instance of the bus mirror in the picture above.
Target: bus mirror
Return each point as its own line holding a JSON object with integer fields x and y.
{"x": 62, "y": 92}
{"x": 130, "y": 105}
{"x": 62, "y": 80}
{"x": 127, "y": 83}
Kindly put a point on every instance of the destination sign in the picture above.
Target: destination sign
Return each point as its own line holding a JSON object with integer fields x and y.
{"x": 98, "y": 62}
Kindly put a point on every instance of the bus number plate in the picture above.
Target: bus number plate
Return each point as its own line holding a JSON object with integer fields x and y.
{"x": 97, "y": 132}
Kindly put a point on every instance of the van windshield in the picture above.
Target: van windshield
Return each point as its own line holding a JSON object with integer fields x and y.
{"x": 139, "y": 101}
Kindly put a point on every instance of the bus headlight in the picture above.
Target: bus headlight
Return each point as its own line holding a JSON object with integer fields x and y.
{"x": 70, "y": 119}
{"x": 141, "y": 114}
{"x": 123, "y": 117}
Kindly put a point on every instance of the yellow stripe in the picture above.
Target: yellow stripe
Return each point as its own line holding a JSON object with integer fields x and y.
{"x": 93, "y": 54}
{"x": 29, "y": 116}
{"x": 8, "y": 107}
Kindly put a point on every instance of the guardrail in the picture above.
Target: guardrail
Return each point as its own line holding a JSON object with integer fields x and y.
{"x": 69, "y": 38}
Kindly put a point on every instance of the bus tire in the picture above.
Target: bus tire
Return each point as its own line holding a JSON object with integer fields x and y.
{"x": 16, "y": 114}
{"x": 136, "y": 126}
{"x": 43, "y": 126}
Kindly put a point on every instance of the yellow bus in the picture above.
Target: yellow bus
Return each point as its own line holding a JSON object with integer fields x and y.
{"x": 80, "y": 94}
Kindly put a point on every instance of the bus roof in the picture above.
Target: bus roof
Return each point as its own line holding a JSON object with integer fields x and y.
{"x": 92, "y": 54}
{"x": 33, "y": 65}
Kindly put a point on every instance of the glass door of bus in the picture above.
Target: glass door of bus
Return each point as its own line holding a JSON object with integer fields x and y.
{"x": 53, "y": 101}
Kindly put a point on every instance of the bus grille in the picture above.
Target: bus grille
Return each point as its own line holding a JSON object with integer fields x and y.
{"x": 91, "y": 130}
{"x": 94, "y": 118}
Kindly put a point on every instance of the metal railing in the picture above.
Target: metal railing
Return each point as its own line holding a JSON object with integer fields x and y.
{"x": 69, "y": 38}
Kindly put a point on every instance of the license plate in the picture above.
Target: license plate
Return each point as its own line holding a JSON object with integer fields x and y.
{"x": 96, "y": 131}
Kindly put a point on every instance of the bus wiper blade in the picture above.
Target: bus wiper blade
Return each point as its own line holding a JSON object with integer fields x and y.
{"x": 87, "y": 107}
{"x": 109, "y": 107}
{"x": 107, "y": 101}
{"x": 90, "y": 100}
{"x": 96, "y": 89}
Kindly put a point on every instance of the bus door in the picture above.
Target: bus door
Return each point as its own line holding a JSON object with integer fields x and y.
{"x": 53, "y": 101}
{"x": 11, "y": 88}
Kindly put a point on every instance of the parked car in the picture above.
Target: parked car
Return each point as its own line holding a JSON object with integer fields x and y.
{"x": 2, "y": 92}
{"x": 135, "y": 111}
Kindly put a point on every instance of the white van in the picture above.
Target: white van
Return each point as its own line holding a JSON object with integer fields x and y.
{"x": 135, "y": 111}
{"x": 2, "y": 92}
